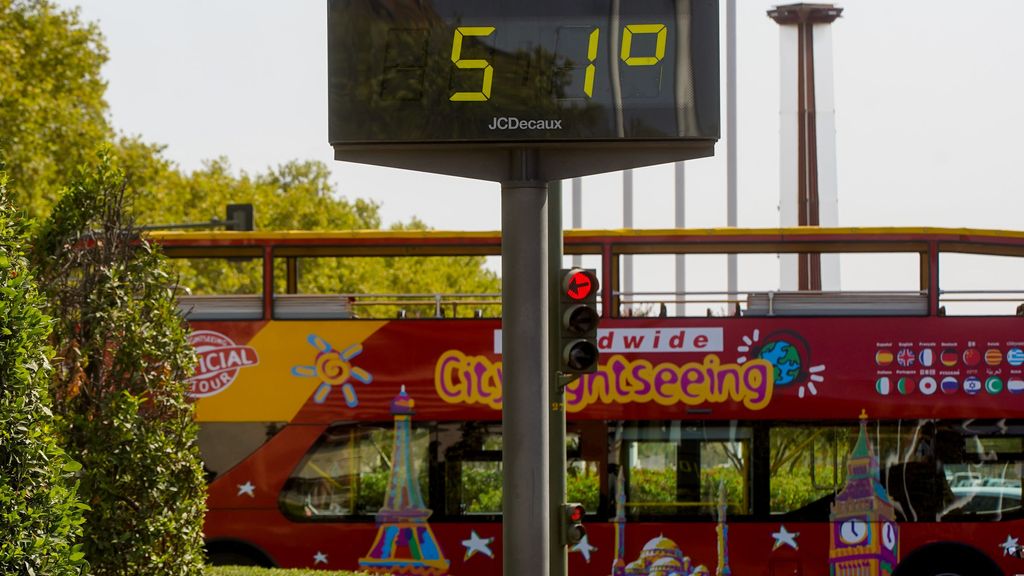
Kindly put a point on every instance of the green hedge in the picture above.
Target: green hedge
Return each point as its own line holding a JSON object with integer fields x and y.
{"x": 41, "y": 517}
{"x": 120, "y": 388}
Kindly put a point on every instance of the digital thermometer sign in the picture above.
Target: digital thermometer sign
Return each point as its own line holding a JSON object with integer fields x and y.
{"x": 521, "y": 71}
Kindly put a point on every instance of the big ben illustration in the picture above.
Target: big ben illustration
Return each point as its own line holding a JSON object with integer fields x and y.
{"x": 865, "y": 538}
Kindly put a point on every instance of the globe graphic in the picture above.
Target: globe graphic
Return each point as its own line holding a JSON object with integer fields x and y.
{"x": 784, "y": 357}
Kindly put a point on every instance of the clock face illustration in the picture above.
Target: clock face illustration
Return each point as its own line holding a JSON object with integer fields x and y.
{"x": 889, "y": 535}
{"x": 853, "y": 531}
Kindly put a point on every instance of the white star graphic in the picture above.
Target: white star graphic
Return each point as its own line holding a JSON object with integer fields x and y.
{"x": 584, "y": 547}
{"x": 1010, "y": 544}
{"x": 477, "y": 544}
{"x": 319, "y": 557}
{"x": 785, "y": 537}
{"x": 247, "y": 488}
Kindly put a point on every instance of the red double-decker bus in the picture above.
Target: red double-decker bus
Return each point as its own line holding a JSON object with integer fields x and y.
{"x": 866, "y": 429}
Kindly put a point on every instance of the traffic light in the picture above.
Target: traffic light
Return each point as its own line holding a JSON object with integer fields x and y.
{"x": 578, "y": 316}
{"x": 572, "y": 523}
{"x": 239, "y": 217}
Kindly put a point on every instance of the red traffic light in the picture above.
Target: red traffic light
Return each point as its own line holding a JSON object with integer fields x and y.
{"x": 578, "y": 319}
{"x": 578, "y": 284}
{"x": 576, "y": 513}
{"x": 573, "y": 531}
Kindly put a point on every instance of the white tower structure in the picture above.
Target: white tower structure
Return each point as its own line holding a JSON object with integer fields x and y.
{"x": 808, "y": 188}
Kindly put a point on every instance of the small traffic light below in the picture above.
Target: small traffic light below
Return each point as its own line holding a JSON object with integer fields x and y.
{"x": 572, "y": 523}
{"x": 578, "y": 316}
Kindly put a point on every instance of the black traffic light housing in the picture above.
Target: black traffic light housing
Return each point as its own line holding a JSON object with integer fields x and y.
{"x": 578, "y": 321}
{"x": 572, "y": 523}
{"x": 239, "y": 217}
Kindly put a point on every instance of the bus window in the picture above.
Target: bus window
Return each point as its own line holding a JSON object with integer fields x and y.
{"x": 219, "y": 288}
{"x": 225, "y": 444}
{"x": 585, "y": 448}
{"x": 873, "y": 283}
{"x": 218, "y": 276}
{"x": 675, "y": 468}
{"x": 807, "y": 466}
{"x": 470, "y": 457}
{"x": 346, "y": 473}
{"x": 932, "y": 470}
{"x": 432, "y": 286}
{"x": 981, "y": 284}
{"x": 981, "y": 465}
{"x": 470, "y": 460}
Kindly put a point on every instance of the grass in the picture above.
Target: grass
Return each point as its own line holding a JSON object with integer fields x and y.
{"x": 247, "y": 571}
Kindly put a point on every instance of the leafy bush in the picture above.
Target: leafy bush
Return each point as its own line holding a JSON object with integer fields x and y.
{"x": 373, "y": 487}
{"x": 120, "y": 385}
{"x": 41, "y": 517}
{"x": 481, "y": 488}
{"x": 792, "y": 489}
{"x": 583, "y": 486}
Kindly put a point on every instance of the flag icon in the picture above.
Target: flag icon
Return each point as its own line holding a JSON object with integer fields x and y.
{"x": 906, "y": 385}
{"x": 994, "y": 385}
{"x": 949, "y": 385}
{"x": 905, "y": 357}
{"x": 883, "y": 357}
{"x": 972, "y": 357}
{"x": 928, "y": 386}
{"x": 948, "y": 357}
{"x": 882, "y": 385}
{"x": 1015, "y": 356}
{"x": 993, "y": 357}
{"x": 972, "y": 385}
{"x": 1015, "y": 385}
{"x": 926, "y": 357}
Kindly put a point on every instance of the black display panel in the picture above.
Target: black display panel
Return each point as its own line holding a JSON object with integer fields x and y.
{"x": 513, "y": 71}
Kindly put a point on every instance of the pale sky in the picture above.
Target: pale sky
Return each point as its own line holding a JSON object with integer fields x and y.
{"x": 928, "y": 111}
{"x": 928, "y": 95}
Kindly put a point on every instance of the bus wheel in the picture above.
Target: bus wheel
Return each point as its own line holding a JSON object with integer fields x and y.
{"x": 236, "y": 554}
{"x": 947, "y": 559}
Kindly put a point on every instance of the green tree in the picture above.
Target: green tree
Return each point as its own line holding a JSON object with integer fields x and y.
{"x": 52, "y": 115}
{"x": 52, "y": 111}
{"x": 294, "y": 196}
{"x": 41, "y": 517}
{"x": 120, "y": 386}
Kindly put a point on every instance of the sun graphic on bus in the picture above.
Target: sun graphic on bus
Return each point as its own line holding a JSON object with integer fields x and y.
{"x": 789, "y": 354}
{"x": 334, "y": 369}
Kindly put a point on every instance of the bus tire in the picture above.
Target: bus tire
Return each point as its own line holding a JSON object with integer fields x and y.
{"x": 947, "y": 559}
{"x": 234, "y": 553}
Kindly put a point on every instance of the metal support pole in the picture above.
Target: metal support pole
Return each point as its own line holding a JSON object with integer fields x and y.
{"x": 627, "y": 260}
{"x": 556, "y": 396}
{"x": 731, "y": 199}
{"x": 524, "y": 284}
{"x": 681, "y": 225}
{"x": 577, "y": 216}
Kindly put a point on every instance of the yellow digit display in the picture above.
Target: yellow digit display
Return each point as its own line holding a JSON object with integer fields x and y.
{"x": 485, "y": 89}
{"x": 588, "y": 80}
{"x": 468, "y": 71}
{"x": 627, "y": 44}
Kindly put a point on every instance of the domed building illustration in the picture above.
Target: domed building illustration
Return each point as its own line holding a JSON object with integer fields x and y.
{"x": 665, "y": 567}
{"x": 661, "y": 556}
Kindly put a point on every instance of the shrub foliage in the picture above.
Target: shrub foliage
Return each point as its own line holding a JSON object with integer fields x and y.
{"x": 120, "y": 383}
{"x": 41, "y": 516}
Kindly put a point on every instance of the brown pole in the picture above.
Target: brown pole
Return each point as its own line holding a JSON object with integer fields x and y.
{"x": 805, "y": 16}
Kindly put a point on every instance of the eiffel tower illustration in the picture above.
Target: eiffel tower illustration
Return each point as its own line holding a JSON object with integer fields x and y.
{"x": 405, "y": 544}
